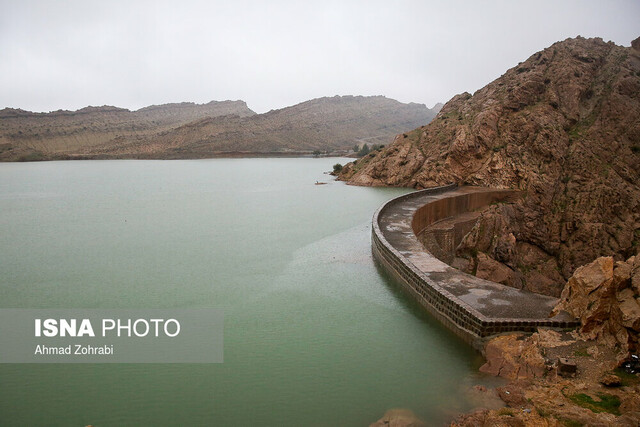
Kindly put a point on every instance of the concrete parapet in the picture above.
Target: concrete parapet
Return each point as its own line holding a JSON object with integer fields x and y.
{"x": 473, "y": 308}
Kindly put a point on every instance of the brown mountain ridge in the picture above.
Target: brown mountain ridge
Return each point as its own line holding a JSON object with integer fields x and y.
{"x": 173, "y": 131}
{"x": 39, "y": 136}
{"x": 563, "y": 127}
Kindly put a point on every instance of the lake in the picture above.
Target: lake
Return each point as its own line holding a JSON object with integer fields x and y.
{"x": 314, "y": 333}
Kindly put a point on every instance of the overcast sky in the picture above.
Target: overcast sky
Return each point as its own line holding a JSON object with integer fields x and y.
{"x": 272, "y": 54}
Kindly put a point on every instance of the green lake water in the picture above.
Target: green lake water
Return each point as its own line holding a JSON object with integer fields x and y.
{"x": 314, "y": 333}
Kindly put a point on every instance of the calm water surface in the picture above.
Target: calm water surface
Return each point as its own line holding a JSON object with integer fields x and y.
{"x": 314, "y": 334}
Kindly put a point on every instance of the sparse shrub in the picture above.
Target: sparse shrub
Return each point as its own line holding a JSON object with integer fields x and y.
{"x": 34, "y": 156}
{"x": 505, "y": 412}
{"x": 337, "y": 168}
{"x": 364, "y": 151}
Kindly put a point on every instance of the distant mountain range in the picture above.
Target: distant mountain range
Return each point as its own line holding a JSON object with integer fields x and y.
{"x": 39, "y": 136}
{"x": 188, "y": 130}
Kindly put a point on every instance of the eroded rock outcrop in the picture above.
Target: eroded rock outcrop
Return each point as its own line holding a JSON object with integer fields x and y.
{"x": 514, "y": 357}
{"x": 604, "y": 296}
{"x": 563, "y": 128}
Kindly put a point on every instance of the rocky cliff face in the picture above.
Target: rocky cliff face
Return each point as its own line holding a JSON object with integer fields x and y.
{"x": 37, "y": 136}
{"x": 562, "y": 127}
{"x": 324, "y": 124}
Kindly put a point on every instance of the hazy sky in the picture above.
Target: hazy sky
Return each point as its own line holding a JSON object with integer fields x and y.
{"x": 271, "y": 54}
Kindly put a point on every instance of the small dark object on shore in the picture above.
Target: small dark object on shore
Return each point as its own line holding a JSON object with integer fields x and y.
{"x": 566, "y": 367}
{"x": 631, "y": 366}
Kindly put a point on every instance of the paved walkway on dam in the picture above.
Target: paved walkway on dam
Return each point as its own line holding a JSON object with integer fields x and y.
{"x": 488, "y": 301}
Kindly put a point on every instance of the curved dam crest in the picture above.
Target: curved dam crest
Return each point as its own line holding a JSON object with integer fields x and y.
{"x": 473, "y": 308}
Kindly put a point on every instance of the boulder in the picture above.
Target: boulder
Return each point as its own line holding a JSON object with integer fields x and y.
{"x": 630, "y": 309}
{"x": 513, "y": 357}
{"x": 602, "y": 296}
{"x": 566, "y": 367}
{"x": 610, "y": 380}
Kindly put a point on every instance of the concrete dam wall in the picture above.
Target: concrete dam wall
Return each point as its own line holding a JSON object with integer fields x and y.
{"x": 471, "y": 307}
{"x": 442, "y": 224}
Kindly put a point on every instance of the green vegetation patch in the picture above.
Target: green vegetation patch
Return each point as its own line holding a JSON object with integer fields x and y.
{"x": 626, "y": 379}
{"x": 607, "y": 403}
{"x": 581, "y": 353}
{"x": 571, "y": 423}
{"x": 366, "y": 150}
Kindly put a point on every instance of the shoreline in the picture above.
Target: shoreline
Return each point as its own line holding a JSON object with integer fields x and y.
{"x": 219, "y": 155}
{"x": 559, "y": 370}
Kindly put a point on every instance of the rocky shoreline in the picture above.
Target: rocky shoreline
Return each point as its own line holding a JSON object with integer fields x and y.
{"x": 586, "y": 377}
{"x": 589, "y": 376}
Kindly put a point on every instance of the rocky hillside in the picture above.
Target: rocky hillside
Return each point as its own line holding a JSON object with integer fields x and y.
{"x": 194, "y": 131}
{"x": 564, "y": 128}
{"x": 325, "y": 124}
{"x": 37, "y": 136}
